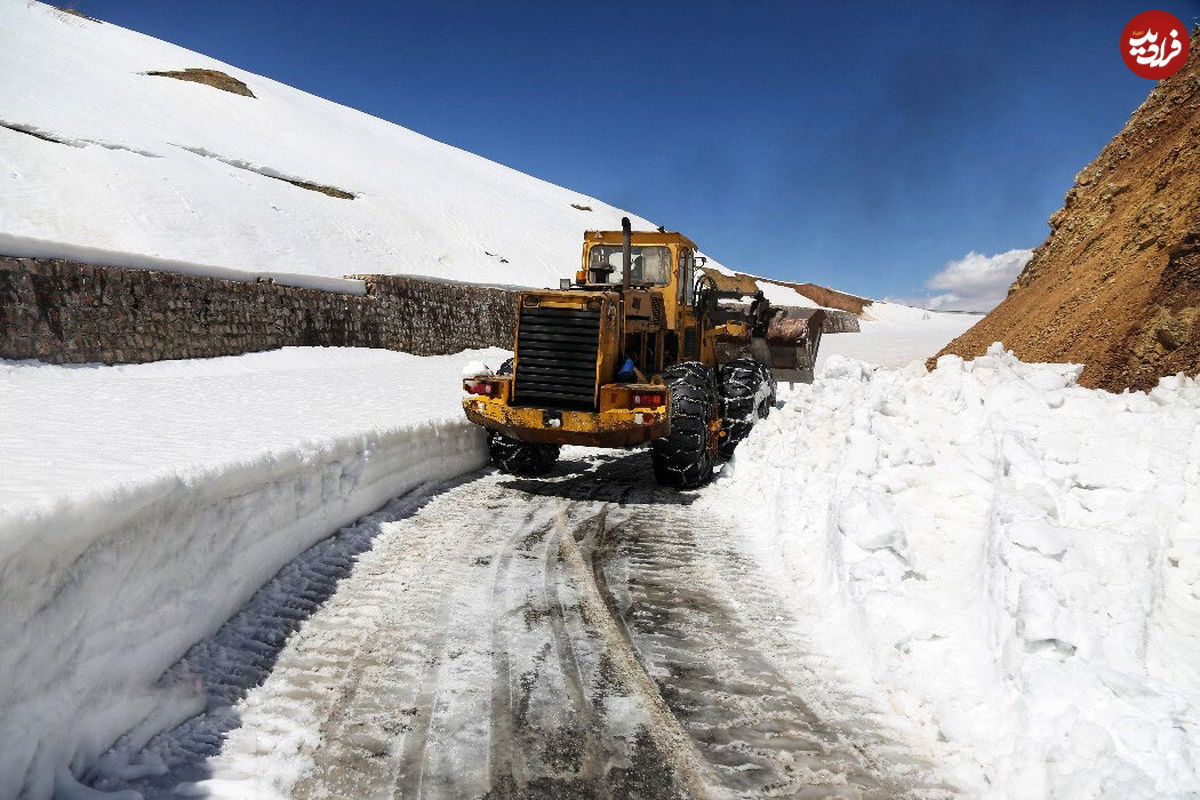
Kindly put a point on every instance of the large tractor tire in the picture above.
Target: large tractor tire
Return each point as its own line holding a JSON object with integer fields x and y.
{"x": 685, "y": 457}
{"x": 747, "y": 395}
{"x": 527, "y": 459}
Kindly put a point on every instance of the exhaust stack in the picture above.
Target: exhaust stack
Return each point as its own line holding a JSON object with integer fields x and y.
{"x": 626, "y": 253}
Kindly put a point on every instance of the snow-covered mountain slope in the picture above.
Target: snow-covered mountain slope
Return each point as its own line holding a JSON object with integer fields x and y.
{"x": 894, "y": 335}
{"x": 104, "y": 163}
{"x": 156, "y": 166}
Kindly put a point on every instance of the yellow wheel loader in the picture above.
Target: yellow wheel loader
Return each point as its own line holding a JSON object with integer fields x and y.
{"x": 645, "y": 345}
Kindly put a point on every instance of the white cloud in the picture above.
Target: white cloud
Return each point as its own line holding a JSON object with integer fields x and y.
{"x": 974, "y": 282}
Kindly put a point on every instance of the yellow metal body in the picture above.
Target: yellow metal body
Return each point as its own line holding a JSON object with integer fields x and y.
{"x": 655, "y": 325}
{"x": 617, "y": 424}
{"x": 679, "y": 314}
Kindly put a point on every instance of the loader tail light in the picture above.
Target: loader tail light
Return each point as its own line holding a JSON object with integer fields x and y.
{"x": 648, "y": 399}
{"x": 473, "y": 386}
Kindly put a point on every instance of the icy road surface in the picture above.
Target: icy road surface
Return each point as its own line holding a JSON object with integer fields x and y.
{"x": 584, "y": 635}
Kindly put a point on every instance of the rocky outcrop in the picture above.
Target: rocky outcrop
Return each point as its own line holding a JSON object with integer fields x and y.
{"x": 1116, "y": 285}
{"x": 828, "y": 298}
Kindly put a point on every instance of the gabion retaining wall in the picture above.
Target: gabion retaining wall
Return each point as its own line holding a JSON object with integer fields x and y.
{"x": 66, "y": 312}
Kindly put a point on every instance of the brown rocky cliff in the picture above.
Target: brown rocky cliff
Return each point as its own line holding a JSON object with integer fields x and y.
{"x": 1116, "y": 285}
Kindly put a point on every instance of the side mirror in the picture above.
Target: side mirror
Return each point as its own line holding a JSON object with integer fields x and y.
{"x": 701, "y": 261}
{"x": 564, "y": 283}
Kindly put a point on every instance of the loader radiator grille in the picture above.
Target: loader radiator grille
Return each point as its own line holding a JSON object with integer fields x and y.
{"x": 556, "y": 358}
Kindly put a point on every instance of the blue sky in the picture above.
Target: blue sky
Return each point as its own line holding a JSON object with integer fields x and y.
{"x": 862, "y": 146}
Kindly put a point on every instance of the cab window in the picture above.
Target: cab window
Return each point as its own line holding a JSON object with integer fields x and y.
{"x": 650, "y": 264}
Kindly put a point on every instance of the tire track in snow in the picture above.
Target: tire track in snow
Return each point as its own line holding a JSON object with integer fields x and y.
{"x": 689, "y": 767}
{"x": 703, "y": 618}
{"x": 568, "y": 660}
{"x": 504, "y": 757}
{"x": 246, "y": 651}
{"x": 584, "y": 635}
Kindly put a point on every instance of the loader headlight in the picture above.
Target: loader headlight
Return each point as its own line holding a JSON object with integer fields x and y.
{"x": 481, "y": 387}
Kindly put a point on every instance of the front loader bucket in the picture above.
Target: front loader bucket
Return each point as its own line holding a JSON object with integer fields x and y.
{"x": 793, "y": 336}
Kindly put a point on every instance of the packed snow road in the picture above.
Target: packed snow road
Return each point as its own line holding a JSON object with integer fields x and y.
{"x": 586, "y": 635}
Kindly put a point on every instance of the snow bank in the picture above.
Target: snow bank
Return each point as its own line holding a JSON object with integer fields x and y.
{"x": 141, "y": 506}
{"x": 1007, "y": 562}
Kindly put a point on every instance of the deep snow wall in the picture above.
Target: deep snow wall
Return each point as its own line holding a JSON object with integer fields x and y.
{"x": 141, "y": 573}
{"x": 62, "y": 311}
{"x": 1007, "y": 561}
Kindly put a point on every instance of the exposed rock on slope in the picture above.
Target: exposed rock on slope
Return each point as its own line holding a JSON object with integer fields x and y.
{"x": 209, "y": 77}
{"x": 829, "y": 298}
{"x": 1116, "y": 286}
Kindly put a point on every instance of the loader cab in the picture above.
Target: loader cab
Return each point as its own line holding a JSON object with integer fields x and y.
{"x": 659, "y": 323}
{"x": 664, "y": 262}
